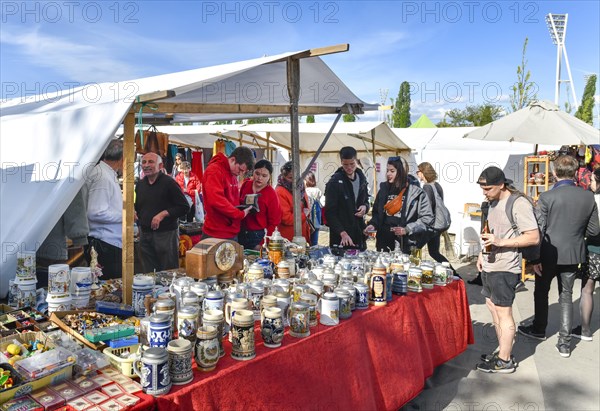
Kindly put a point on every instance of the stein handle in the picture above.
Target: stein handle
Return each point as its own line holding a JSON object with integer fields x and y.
{"x": 137, "y": 368}
{"x": 228, "y": 313}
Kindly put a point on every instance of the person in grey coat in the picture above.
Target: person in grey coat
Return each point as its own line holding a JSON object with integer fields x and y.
{"x": 409, "y": 226}
{"x": 568, "y": 215}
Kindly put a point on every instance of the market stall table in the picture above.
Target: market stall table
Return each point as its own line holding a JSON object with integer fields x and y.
{"x": 378, "y": 359}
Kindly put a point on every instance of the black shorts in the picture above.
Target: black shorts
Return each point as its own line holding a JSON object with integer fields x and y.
{"x": 499, "y": 287}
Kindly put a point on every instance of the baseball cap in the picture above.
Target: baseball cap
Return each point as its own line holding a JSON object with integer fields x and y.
{"x": 493, "y": 176}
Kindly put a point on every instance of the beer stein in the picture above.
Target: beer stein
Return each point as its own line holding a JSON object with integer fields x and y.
{"x": 216, "y": 319}
{"x": 350, "y": 288}
{"x": 283, "y": 269}
{"x": 345, "y": 305}
{"x": 311, "y": 301}
{"x": 159, "y": 330}
{"x": 242, "y": 335}
{"x": 255, "y": 272}
{"x": 316, "y": 287}
{"x": 329, "y": 307}
{"x": 283, "y": 301}
{"x": 414, "y": 280}
{"x": 200, "y": 289}
{"x": 268, "y": 301}
{"x": 427, "y": 275}
{"x": 213, "y": 300}
{"x": 153, "y": 370}
{"x": 440, "y": 275}
{"x": 362, "y": 296}
{"x": 299, "y": 317}
{"x": 180, "y": 360}
{"x": 206, "y": 351}
{"x": 271, "y": 327}
{"x": 231, "y": 308}
{"x": 142, "y": 286}
{"x": 377, "y": 284}
{"x": 187, "y": 323}
{"x": 255, "y": 296}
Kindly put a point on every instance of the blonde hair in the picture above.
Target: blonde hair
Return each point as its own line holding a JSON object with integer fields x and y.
{"x": 428, "y": 172}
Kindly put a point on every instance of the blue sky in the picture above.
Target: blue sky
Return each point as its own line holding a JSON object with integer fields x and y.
{"x": 454, "y": 53}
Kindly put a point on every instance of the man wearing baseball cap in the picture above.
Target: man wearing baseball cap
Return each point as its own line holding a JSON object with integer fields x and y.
{"x": 501, "y": 267}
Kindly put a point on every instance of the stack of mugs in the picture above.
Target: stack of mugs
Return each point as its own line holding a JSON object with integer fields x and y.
{"x": 25, "y": 280}
{"x": 81, "y": 286}
{"x": 59, "y": 292}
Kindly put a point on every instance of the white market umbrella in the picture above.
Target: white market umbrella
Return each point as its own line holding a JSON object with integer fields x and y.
{"x": 541, "y": 122}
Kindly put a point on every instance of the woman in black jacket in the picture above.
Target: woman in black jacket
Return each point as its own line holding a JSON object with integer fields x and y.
{"x": 408, "y": 225}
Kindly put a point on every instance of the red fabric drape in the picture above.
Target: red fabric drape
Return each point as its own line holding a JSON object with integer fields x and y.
{"x": 197, "y": 164}
{"x": 377, "y": 360}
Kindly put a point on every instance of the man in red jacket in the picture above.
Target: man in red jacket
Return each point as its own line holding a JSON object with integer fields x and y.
{"x": 221, "y": 193}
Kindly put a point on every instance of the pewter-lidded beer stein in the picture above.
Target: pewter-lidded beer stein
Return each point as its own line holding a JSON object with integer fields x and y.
{"x": 329, "y": 307}
{"x": 206, "y": 351}
{"x": 271, "y": 327}
{"x": 153, "y": 370}
{"x": 242, "y": 335}
{"x": 299, "y": 317}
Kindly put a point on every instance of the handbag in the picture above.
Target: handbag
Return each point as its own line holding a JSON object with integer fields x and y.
{"x": 392, "y": 207}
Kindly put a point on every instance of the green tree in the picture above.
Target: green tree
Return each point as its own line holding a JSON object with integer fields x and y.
{"x": 524, "y": 89}
{"x": 401, "y": 112}
{"x": 310, "y": 119}
{"x": 585, "y": 112}
{"x": 238, "y": 122}
{"x": 471, "y": 116}
{"x": 349, "y": 118}
{"x": 259, "y": 120}
{"x": 222, "y": 122}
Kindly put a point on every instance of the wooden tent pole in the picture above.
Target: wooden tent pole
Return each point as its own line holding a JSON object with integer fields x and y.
{"x": 374, "y": 164}
{"x": 293, "y": 78}
{"x": 128, "y": 212}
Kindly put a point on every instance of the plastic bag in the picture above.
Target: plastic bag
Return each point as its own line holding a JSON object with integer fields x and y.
{"x": 199, "y": 215}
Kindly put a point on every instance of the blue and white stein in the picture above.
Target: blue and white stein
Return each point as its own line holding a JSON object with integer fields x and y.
{"x": 213, "y": 301}
{"x": 142, "y": 286}
{"x": 362, "y": 296}
{"x": 153, "y": 370}
{"x": 267, "y": 267}
{"x": 159, "y": 330}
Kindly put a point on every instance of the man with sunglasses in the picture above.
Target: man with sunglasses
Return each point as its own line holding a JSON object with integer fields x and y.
{"x": 347, "y": 202}
{"x": 221, "y": 193}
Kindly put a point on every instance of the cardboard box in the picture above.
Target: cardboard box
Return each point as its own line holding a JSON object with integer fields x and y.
{"x": 30, "y": 386}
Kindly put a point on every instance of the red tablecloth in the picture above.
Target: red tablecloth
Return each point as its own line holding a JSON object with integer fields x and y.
{"x": 379, "y": 359}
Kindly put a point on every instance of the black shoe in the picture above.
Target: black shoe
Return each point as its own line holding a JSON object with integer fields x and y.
{"x": 520, "y": 287}
{"x": 577, "y": 332}
{"x": 476, "y": 280}
{"x": 497, "y": 366}
{"x": 529, "y": 331}
{"x": 563, "y": 350}
{"x": 491, "y": 357}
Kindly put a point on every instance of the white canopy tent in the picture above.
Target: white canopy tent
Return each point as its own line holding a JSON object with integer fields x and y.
{"x": 50, "y": 141}
{"x": 458, "y": 163}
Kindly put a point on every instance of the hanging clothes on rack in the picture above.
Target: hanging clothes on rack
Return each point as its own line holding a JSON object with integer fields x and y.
{"x": 197, "y": 163}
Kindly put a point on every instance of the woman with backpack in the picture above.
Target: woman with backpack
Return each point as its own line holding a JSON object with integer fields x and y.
{"x": 314, "y": 195}
{"x": 427, "y": 176}
{"x": 401, "y": 211}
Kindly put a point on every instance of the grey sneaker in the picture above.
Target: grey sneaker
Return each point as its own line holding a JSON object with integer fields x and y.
{"x": 563, "y": 350}
{"x": 577, "y": 332}
{"x": 497, "y": 366}
{"x": 491, "y": 357}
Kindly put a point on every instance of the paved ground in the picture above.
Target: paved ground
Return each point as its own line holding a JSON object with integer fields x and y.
{"x": 543, "y": 381}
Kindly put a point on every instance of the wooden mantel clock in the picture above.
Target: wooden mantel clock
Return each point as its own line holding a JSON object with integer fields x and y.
{"x": 214, "y": 256}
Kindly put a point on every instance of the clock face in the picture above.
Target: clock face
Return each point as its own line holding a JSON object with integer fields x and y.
{"x": 225, "y": 256}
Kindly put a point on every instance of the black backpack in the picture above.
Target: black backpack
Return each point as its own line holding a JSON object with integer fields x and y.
{"x": 531, "y": 253}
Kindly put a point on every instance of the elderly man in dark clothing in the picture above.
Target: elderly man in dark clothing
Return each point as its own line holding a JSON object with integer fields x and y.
{"x": 159, "y": 203}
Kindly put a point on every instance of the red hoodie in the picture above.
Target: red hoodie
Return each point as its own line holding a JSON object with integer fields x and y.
{"x": 221, "y": 194}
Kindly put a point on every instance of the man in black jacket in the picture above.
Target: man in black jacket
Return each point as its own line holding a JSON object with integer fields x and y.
{"x": 568, "y": 214}
{"x": 347, "y": 202}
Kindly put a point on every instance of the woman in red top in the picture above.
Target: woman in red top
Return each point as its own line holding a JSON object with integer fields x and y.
{"x": 253, "y": 226}
{"x": 190, "y": 185}
{"x": 284, "y": 191}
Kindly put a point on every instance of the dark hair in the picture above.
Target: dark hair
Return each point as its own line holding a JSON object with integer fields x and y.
{"x": 565, "y": 167}
{"x": 264, "y": 164}
{"x": 428, "y": 171}
{"x": 401, "y": 179}
{"x": 243, "y": 155}
{"x": 114, "y": 151}
{"x": 310, "y": 179}
{"x": 287, "y": 168}
{"x": 347, "y": 153}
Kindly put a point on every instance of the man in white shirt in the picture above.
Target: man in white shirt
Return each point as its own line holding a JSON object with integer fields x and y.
{"x": 105, "y": 210}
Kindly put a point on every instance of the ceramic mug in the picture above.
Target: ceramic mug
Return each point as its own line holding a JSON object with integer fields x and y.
{"x": 232, "y": 307}
{"x": 271, "y": 327}
{"x": 242, "y": 332}
{"x": 311, "y": 300}
{"x": 180, "y": 361}
{"x": 153, "y": 370}
{"x": 329, "y": 307}
{"x": 217, "y": 320}
{"x": 299, "y": 319}
{"x": 159, "y": 330}
{"x": 187, "y": 323}
{"x": 206, "y": 350}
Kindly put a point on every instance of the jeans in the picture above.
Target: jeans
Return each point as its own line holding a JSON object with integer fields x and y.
{"x": 566, "y": 278}
{"x": 159, "y": 250}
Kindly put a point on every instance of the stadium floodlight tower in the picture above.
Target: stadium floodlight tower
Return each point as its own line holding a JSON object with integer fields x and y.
{"x": 557, "y": 26}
